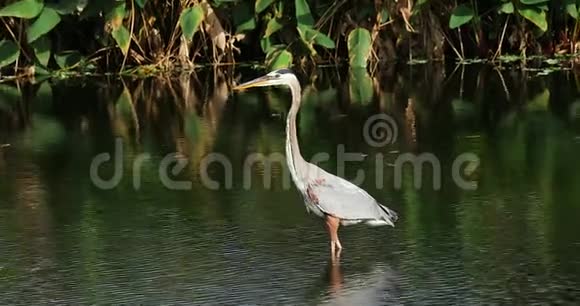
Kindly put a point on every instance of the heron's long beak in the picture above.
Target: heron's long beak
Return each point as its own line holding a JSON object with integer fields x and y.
{"x": 261, "y": 81}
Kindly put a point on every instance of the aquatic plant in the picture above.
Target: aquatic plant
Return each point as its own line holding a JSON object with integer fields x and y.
{"x": 79, "y": 36}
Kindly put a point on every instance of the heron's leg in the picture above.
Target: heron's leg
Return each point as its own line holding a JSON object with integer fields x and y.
{"x": 332, "y": 224}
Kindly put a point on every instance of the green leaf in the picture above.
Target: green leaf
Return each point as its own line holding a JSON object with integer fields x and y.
{"x": 507, "y": 8}
{"x": 244, "y": 17}
{"x": 571, "y": 8}
{"x": 190, "y": 20}
{"x": 262, "y": 5}
{"x": 311, "y": 36}
{"x": 115, "y": 14}
{"x": 40, "y": 71}
{"x": 274, "y": 25}
{"x": 141, "y": 3}
{"x": 26, "y": 9}
{"x": 266, "y": 44}
{"x": 359, "y": 47}
{"x": 9, "y": 52}
{"x": 123, "y": 38}
{"x": 279, "y": 58}
{"x": 47, "y": 20}
{"x": 461, "y": 15}
{"x": 41, "y": 49}
{"x": 323, "y": 40}
{"x": 360, "y": 86}
{"x": 307, "y": 38}
{"x": 385, "y": 16}
{"x": 536, "y": 16}
{"x": 303, "y": 15}
{"x": 68, "y": 59}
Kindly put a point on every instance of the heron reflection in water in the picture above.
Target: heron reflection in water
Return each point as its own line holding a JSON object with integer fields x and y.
{"x": 332, "y": 198}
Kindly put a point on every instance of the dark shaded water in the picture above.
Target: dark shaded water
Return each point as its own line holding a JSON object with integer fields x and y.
{"x": 513, "y": 240}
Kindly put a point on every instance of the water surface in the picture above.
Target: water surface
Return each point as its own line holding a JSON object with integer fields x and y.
{"x": 513, "y": 240}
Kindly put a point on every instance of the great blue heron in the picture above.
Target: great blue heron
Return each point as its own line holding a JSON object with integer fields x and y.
{"x": 332, "y": 198}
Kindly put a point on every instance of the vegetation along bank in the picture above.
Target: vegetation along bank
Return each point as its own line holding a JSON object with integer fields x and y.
{"x": 48, "y": 37}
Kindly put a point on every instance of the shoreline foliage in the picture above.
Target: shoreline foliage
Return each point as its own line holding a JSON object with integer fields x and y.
{"x": 146, "y": 36}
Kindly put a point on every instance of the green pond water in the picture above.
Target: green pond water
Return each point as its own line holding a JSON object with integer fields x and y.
{"x": 513, "y": 240}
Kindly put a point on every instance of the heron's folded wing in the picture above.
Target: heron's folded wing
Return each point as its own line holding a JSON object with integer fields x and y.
{"x": 338, "y": 197}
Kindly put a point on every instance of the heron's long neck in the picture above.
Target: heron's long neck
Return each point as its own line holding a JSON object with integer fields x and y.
{"x": 296, "y": 162}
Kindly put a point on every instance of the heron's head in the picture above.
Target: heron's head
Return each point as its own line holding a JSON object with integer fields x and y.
{"x": 274, "y": 78}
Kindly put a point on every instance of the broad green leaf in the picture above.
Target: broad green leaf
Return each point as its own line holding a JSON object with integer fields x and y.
{"x": 266, "y": 44}
{"x": 306, "y": 37}
{"x": 303, "y": 15}
{"x": 68, "y": 59}
{"x": 274, "y": 25}
{"x": 141, "y": 3}
{"x": 244, "y": 17}
{"x": 571, "y": 8}
{"x": 385, "y": 16}
{"x": 123, "y": 38}
{"x": 536, "y": 16}
{"x": 26, "y": 9}
{"x": 359, "y": 47}
{"x": 47, "y": 20}
{"x": 116, "y": 14}
{"x": 262, "y": 5}
{"x": 279, "y": 58}
{"x": 461, "y": 15}
{"x": 41, "y": 49}
{"x": 507, "y": 8}
{"x": 360, "y": 86}
{"x": 311, "y": 36}
{"x": 190, "y": 20}
{"x": 323, "y": 40}
{"x": 9, "y": 52}
{"x": 41, "y": 73}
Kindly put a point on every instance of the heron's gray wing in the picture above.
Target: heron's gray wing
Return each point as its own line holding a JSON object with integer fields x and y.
{"x": 341, "y": 198}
